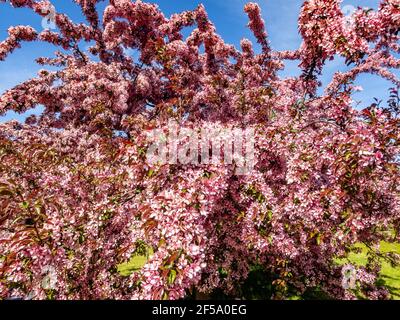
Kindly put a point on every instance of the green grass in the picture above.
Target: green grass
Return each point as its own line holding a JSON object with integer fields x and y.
{"x": 389, "y": 276}
{"x": 135, "y": 264}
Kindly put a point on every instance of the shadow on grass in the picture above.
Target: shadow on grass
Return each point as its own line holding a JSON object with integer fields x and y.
{"x": 386, "y": 281}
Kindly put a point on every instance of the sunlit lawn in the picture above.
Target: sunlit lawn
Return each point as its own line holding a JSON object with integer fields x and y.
{"x": 135, "y": 264}
{"x": 389, "y": 276}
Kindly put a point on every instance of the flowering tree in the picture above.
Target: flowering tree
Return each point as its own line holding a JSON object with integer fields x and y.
{"x": 78, "y": 197}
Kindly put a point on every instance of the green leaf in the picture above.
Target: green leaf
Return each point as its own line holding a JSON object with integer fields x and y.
{"x": 25, "y": 205}
{"x": 318, "y": 239}
{"x": 171, "y": 276}
{"x": 150, "y": 173}
{"x": 222, "y": 272}
{"x": 165, "y": 296}
{"x": 269, "y": 214}
{"x": 81, "y": 238}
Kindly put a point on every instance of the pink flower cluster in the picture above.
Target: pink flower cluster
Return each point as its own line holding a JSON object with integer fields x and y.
{"x": 16, "y": 35}
{"x": 256, "y": 24}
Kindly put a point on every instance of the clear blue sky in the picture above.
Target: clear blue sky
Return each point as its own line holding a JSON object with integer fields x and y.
{"x": 227, "y": 15}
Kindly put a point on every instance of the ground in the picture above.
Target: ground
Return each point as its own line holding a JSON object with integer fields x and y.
{"x": 389, "y": 276}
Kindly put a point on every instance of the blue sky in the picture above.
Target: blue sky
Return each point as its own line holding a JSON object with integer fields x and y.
{"x": 227, "y": 15}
